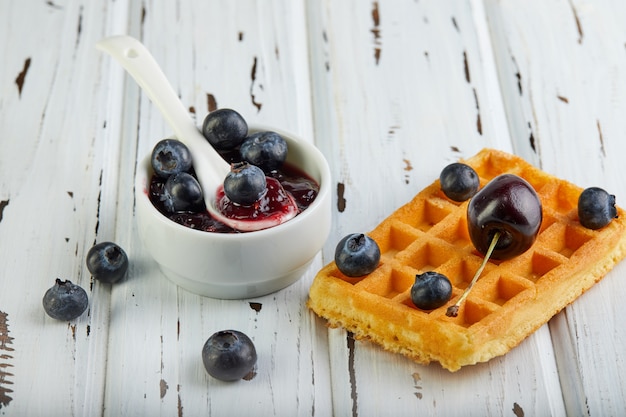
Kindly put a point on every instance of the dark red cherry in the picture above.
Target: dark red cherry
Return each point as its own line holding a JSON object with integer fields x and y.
{"x": 507, "y": 204}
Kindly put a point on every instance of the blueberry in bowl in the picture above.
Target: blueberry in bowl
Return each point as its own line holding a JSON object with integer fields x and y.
{"x": 245, "y": 183}
{"x": 170, "y": 157}
{"x": 207, "y": 259}
{"x": 267, "y": 150}
{"x": 224, "y": 128}
{"x": 182, "y": 192}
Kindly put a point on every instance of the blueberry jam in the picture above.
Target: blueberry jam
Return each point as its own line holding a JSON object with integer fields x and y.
{"x": 302, "y": 188}
{"x": 272, "y": 201}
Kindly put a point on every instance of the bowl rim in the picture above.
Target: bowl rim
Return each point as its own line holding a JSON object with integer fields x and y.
{"x": 144, "y": 174}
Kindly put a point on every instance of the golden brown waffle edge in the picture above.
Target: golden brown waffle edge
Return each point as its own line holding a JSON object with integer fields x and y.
{"x": 510, "y": 301}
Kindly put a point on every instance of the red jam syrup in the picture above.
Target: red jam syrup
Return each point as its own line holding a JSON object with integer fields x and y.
{"x": 274, "y": 200}
{"x": 287, "y": 179}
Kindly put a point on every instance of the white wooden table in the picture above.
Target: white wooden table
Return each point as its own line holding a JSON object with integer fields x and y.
{"x": 390, "y": 91}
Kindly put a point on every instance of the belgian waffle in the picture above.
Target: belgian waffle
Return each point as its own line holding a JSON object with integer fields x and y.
{"x": 510, "y": 300}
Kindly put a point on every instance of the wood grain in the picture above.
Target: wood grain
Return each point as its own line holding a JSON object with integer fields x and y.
{"x": 390, "y": 91}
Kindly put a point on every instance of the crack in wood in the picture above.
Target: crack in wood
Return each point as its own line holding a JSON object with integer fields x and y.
{"x": 21, "y": 77}
{"x": 407, "y": 168}
{"x": 163, "y": 388}
{"x": 79, "y": 29}
{"x": 479, "y": 123}
{"x": 255, "y": 103}
{"x": 376, "y": 31}
{"x": 54, "y": 6}
{"x": 326, "y": 61}
{"x": 531, "y": 139}
{"x": 5, "y": 341}
{"x": 162, "y": 364}
{"x": 341, "y": 201}
{"x": 180, "y": 403}
{"x": 601, "y": 137}
{"x": 518, "y": 76}
{"x": 3, "y": 205}
{"x": 579, "y": 27}
{"x": 351, "y": 371}
{"x": 416, "y": 384}
{"x": 211, "y": 102}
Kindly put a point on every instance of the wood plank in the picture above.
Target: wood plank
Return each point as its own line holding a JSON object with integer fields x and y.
{"x": 400, "y": 86}
{"x": 561, "y": 67}
{"x": 251, "y": 58}
{"x": 53, "y": 175}
{"x": 390, "y": 91}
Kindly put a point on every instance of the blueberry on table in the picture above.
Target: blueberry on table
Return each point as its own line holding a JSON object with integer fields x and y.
{"x": 267, "y": 150}
{"x": 229, "y": 355}
{"x": 459, "y": 182}
{"x": 245, "y": 184}
{"x": 596, "y": 208}
{"x": 169, "y": 157}
{"x": 224, "y": 129}
{"x": 182, "y": 192}
{"x": 107, "y": 262}
{"x": 431, "y": 290}
{"x": 65, "y": 301}
{"x": 357, "y": 255}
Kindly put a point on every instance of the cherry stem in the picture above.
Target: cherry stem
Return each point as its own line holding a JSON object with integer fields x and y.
{"x": 453, "y": 311}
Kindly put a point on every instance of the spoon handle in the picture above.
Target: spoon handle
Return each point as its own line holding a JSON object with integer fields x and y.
{"x": 141, "y": 65}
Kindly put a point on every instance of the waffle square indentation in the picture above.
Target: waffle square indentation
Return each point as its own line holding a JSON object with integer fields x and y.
{"x": 504, "y": 288}
{"x": 431, "y": 212}
{"x": 428, "y": 256}
{"x": 388, "y": 282}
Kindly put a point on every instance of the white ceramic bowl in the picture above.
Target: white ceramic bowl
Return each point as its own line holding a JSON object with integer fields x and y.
{"x": 245, "y": 265}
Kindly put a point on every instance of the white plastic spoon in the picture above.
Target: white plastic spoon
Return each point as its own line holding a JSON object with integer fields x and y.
{"x": 210, "y": 168}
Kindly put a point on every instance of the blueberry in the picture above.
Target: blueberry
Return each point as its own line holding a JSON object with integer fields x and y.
{"x": 107, "y": 262}
{"x": 431, "y": 290}
{"x": 170, "y": 156}
{"x": 65, "y": 301}
{"x": 224, "y": 129}
{"x": 267, "y": 150}
{"x": 245, "y": 184}
{"x": 229, "y": 355}
{"x": 459, "y": 182}
{"x": 596, "y": 208}
{"x": 357, "y": 255}
{"x": 182, "y": 192}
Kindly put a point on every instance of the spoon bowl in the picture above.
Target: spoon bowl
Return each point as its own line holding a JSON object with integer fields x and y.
{"x": 209, "y": 166}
